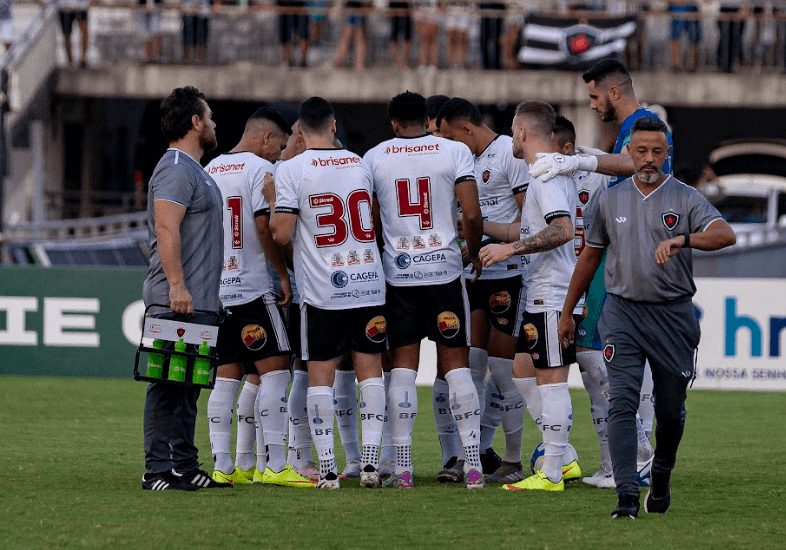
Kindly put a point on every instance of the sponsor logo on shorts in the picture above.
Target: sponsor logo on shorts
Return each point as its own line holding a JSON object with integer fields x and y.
{"x": 403, "y": 260}
{"x": 485, "y": 176}
{"x": 254, "y": 337}
{"x": 339, "y": 279}
{"x": 377, "y": 329}
{"x": 500, "y": 302}
{"x": 670, "y": 220}
{"x": 608, "y": 352}
{"x": 584, "y": 197}
{"x": 502, "y": 321}
{"x": 531, "y": 334}
{"x": 448, "y": 323}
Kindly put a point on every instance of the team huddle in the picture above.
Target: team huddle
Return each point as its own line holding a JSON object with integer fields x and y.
{"x": 342, "y": 265}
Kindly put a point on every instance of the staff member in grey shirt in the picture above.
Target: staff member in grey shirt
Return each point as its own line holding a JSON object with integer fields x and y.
{"x": 648, "y": 223}
{"x": 186, "y": 257}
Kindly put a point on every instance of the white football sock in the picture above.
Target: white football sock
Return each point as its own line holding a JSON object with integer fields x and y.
{"x": 219, "y": 416}
{"x": 273, "y": 387}
{"x": 511, "y": 407}
{"x": 447, "y": 431}
{"x": 299, "y": 430}
{"x": 478, "y": 360}
{"x": 466, "y": 412}
{"x": 492, "y": 398}
{"x": 261, "y": 447}
{"x": 647, "y": 403}
{"x": 402, "y": 410}
{"x": 557, "y": 411}
{"x": 246, "y": 426}
{"x": 345, "y": 397}
{"x": 372, "y": 416}
{"x": 597, "y": 385}
{"x": 320, "y": 416}
{"x": 528, "y": 389}
{"x": 387, "y": 453}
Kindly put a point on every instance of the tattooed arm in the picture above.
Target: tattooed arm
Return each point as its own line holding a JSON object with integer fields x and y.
{"x": 558, "y": 232}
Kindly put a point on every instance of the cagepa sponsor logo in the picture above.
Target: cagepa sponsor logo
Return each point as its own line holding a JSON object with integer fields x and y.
{"x": 230, "y": 167}
{"x": 231, "y": 281}
{"x": 403, "y": 261}
{"x": 429, "y": 258}
{"x": 339, "y": 279}
{"x": 364, "y": 276}
{"x": 393, "y": 150}
{"x": 331, "y": 161}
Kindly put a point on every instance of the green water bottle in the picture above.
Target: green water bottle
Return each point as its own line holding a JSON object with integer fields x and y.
{"x": 202, "y": 366}
{"x": 155, "y": 361}
{"x": 177, "y": 363}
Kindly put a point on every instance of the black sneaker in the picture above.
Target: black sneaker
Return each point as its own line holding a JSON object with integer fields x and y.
{"x": 627, "y": 507}
{"x": 660, "y": 486}
{"x": 201, "y": 480}
{"x": 453, "y": 472}
{"x": 490, "y": 461}
{"x": 165, "y": 481}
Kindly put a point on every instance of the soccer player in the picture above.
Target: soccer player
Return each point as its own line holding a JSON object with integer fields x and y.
{"x": 547, "y": 229}
{"x": 650, "y": 284}
{"x": 611, "y": 93}
{"x": 417, "y": 180}
{"x": 497, "y": 298}
{"x": 323, "y": 205}
{"x": 184, "y": 220}
{"x": 253, "y": 336}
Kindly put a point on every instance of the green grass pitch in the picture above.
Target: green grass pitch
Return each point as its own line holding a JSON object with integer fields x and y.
{"x": 72, "y": 464}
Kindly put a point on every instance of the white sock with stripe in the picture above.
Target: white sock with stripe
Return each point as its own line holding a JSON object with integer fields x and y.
{"x": 219, "y": 416}
{"x": 387, "y": 453}
{"x": 491, "y": 419}
{"x": 320, "y": 418}
{"x": 299, "y": 430}
{"x": 447, "y": 431}
{"x": 478, "y": 361}
{"x": 511, "y": 407}
{"x": 261, "y": 447}
{"x": 372, "y": 414}
{"x": 246, "y": 427}
{"x": 273, "y": 412}
{"x": 466, "y": 412}
{"x": 345, "y": 399}
{"x": 528, "y": 389}
{"x": 557, "y": 411}
{"x": 402, "y": 409}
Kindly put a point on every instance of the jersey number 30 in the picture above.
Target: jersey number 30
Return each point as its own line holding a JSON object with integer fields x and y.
{"x": 335, "y": 218}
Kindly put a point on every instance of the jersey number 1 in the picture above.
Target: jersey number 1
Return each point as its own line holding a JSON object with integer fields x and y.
{"x": 335, "y": 218}
{"x": 235, "y": 207}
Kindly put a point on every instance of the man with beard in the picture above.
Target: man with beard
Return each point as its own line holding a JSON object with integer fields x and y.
{"x": 649, "y": 311}
{"x": 186, "y": 253}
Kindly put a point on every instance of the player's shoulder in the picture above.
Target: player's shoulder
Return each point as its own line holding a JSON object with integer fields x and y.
{"x": 176, "y": 164}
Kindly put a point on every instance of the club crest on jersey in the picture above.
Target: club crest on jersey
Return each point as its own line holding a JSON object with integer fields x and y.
{"x": 584, "y": 197}
{"x": 377, "y": 329}
{"x": 608, "y": 352}
{"x": 402, "y": 261}
{"x": 368, "y": 256}
{"x": 353, "y": 258}
{"x": 418, "y": 244}
{"x": 670, "y": 220}
{"x": 448, "y": 323}
{"x": 485, "y": 176}
{"x": 403, "y": 244}
{"x": 499, "y": 302}
{"x": 336, "y": 260}
{"x": 434, "y": 241}
{"x": 531, "y": 334}
{"x": 254, "y": 337}
{"x": 339, "y": 279}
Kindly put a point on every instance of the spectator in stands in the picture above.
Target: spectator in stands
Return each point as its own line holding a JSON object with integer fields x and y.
{"x": 70, "y": 11}
{"x": 354, "y": 31}
{"x": 427, "y": 28}
{"x": 400, "y": 33}
{"x": 731, "y": 24}
{"x": 679, "y": 27}
{"x": 490, "y": 34}
{"x": 510, "y": 40}
{"x": 6, "y": 24}
{"x": 318, "y": 19}
{"x": 293, "y": 20}
{"x": 457, "y": 25}
{"x": 196, "y": 19}
{"x": 149, "y": 19}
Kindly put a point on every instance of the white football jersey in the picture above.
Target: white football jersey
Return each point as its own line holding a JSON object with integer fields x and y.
{"x": 337, "y": 263}
{"x": 240, "y": 177}
{"x": 415, "y": 184}
{"x": 500, "y": 176}
{"x": 588, "y": 186}
{"x": 547, "y": 274}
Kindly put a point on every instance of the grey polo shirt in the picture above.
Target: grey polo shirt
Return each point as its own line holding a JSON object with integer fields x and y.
{"x": 632, "y": 226}
{"x": 181, "y": 179}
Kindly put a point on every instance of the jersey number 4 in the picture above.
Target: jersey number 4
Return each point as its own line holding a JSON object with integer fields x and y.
{"x": 362, "y": 231}
{"x": 421, "y": 207}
